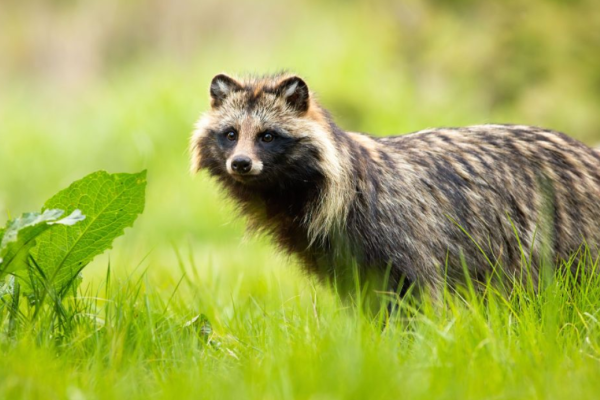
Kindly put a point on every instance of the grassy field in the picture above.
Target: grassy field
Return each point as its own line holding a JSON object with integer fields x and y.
{"x": 271, "y": 334}
{"x": 186, "y": 306}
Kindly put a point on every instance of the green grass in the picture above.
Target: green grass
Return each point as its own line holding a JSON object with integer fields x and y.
{"x": 273, "y": 334}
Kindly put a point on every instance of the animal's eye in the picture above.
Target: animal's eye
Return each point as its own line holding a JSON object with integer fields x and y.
{"x": 231, "y": 136}
{"x": 267, "y": 137}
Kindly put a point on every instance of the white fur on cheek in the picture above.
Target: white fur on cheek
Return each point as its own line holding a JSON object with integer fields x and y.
{"x": 257, "y": 167}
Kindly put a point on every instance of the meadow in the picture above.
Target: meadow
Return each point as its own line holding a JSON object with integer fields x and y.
{"x": 186, "y": 305}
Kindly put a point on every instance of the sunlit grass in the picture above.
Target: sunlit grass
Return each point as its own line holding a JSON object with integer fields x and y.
{"x": 273, "y": 334}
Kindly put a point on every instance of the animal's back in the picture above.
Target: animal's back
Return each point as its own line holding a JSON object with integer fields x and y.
{"x": 486, "y": 195}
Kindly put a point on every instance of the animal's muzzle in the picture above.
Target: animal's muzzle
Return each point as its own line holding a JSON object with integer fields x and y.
{"x": 241, "y": 165}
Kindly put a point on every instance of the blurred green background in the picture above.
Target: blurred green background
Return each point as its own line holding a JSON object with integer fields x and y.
{"x": 118, "y": 85}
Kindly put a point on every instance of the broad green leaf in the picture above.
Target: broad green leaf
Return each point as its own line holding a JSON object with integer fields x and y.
{"x": 21, "y": 233}
{"x": 110, "y": 202}
{"x": 27, "y": 220}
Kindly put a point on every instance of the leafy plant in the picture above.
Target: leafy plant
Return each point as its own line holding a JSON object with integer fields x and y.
{"x": 18, "y": 237}
{"x": 45, "y": 253}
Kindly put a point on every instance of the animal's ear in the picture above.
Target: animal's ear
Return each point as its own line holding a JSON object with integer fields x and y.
{"x": 295, "y": 92}
{"x": 220, "y": 87}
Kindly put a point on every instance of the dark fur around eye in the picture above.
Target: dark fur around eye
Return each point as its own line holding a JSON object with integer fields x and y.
{"x": 225, "y": 139}
{"x": 268, "y": 136}
{"x": 231, "y": 135}
{"x": 277, "y": 149}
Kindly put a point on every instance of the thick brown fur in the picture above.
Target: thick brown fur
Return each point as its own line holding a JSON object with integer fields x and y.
{"x": 424, "y": 204}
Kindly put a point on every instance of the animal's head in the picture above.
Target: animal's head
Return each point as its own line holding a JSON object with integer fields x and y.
{"x": 263, "y": 131}
{"x": 270, "y": 134}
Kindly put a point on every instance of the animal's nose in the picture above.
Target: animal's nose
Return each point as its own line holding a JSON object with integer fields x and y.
{"x": 241, "y": 164}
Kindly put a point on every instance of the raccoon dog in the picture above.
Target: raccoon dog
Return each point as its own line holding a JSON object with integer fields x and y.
{"x": 423, "y": 208}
